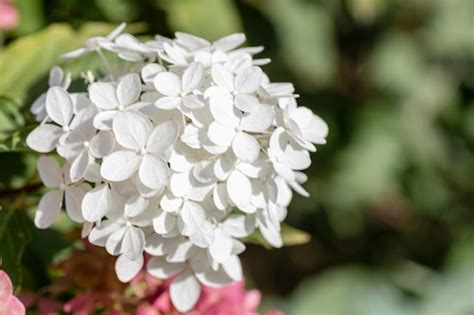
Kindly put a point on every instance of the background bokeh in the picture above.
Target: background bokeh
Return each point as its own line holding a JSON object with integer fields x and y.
{"x": 391, "y": 212}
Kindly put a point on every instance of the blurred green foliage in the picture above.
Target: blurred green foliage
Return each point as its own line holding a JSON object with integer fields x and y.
{"x": 391, "y": 212}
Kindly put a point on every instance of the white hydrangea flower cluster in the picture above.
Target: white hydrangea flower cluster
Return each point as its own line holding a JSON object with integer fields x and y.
{"x": 180, "y": 155}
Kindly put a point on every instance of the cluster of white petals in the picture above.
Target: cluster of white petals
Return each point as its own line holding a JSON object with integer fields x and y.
{"x": 180, "y": 155}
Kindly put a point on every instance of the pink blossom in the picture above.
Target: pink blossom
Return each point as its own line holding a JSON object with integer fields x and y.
{"x": 9, "y": 17}
{"x": 9, "y": 304}
{"x": 229, "y": 300}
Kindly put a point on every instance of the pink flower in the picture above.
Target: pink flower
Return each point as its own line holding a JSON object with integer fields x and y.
{"x": 228, "y": 300}
{"x": 9, "y": 304}
{"x": 9, "y": 17}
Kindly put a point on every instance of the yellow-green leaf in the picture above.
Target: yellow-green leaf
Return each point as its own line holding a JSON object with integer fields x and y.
{"x": 290, "y": 235}
{"x": 210, "y": 19}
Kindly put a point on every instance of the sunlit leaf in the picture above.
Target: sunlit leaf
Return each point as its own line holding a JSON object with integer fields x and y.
{"x": 306, "y": 31}
{"x": 207, "y": 18}
{"x": 349, "y": 291}
{"x": 28, "y": 59}
{"x": 290, "y": 235}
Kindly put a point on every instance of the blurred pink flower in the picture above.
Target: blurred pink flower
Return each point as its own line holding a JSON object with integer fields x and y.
{"x": 9, "y": 304}
{"x": 229, "y": 300}
{"x": 9, "y": 17}
{"x": 144, "y": 295}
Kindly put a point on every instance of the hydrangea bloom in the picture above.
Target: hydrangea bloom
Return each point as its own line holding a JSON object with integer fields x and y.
{"x": 181, "y": 156}
{"x": 9, "y": 304}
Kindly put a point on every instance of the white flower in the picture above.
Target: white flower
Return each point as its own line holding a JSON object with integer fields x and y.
{"x": 95, "y": 43}
{"x": 238, "y": 89}
{"x": 144, "y": 150}
{"x": 112, "y": 99}
{"x": 232, "y": 128}
{"x": 60, "y": 109}
{"x": 56, "y": 78}
{"x": 178, "y": 91}
{"x": 187, "y": 152}
{"x": 304, "y": 126}
{"x": 50, "y": 204}
{"x": 129, "y": 48}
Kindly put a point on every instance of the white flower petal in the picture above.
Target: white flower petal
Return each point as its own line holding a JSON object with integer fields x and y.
{"x": 238, "y": 225}
{"x": 127, "y": 269}
{"x": 220, "y": 134}
{"x": 245, "y": 147}
{"x": 204, "y": 235}
{"x": 239, "y": 188}
{"x": 233, "y": 267}
{"x": 113, "y": 245}
{"x": 120, "y": 165}
{"x": 100, "y": 234}
{"x": 180, "y": 252}
{"x": 133, "y": 243}
{"x": 150, "y": 71}
{"x": 271, "y": 234}
{"x": 221, "y": 248}
{"x": 180, "y": 184}
{"x": 223, "y": 77}
{"x": 193, "y": 102}
{"x": 246, "y": 103}
{"x": 193, "y": 215}
{"x": 219, "y": 196}
{"x": 104, "y": 120}
{"x": 158, "y": 267}
{"x": 229, "y": 42}
{"x": 73, "y": 198}
{"x": 48, "y": 209}
{"x": 168, "y": 102}
{"x": 96, "y": 203}
{"x": 101, "y": 144}
{"x": 224, "y": 111}
{"x": 128, "y": 89}
{"x": 185, "y": 291}
{"x": 79, "y": 166}
{"x": 164, "y": 223}
{"x": 259, "y": 120}
{"x": 170, "y": 203}
{"x": 156, "y": 245}
{"x": 50, "y": 172}
{"x": 59, "y": 105}
{"x": 192, "y": 77}
{"x": 214, "y": 278}
{"x": 135, "y": 205}
{"x": 103, "y": 95}
{"x": 248, "y": 80}
{"x": 153, "y": 172}
{"x": 168, "y": 84}
{"x": 163, "y": 137}
{"x": 44, "y": 138}
{"x": 131, "y": 129}
{"x": 190, "y": 41}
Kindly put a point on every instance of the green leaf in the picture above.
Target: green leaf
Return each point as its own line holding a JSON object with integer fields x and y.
{"x": 397, "y": 64}
{"x": 450, "y": 29}
{"x": 306, "y": 31}
{"x": 31, "y": 16}
{"x": 15, "y": 233}
{"x": 119, "y": 10}
{"x": 210, "y": 19}
{"x": 290, "y": 235}
{"x": 29, "y": 59}
{"x": 10, "y": 117}
{"x": 16, "y": 141}
{"x": 351, "y": 290}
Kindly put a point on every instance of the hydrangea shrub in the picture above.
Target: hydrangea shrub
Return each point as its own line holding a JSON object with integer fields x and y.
{"x": 180, "y": 154}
